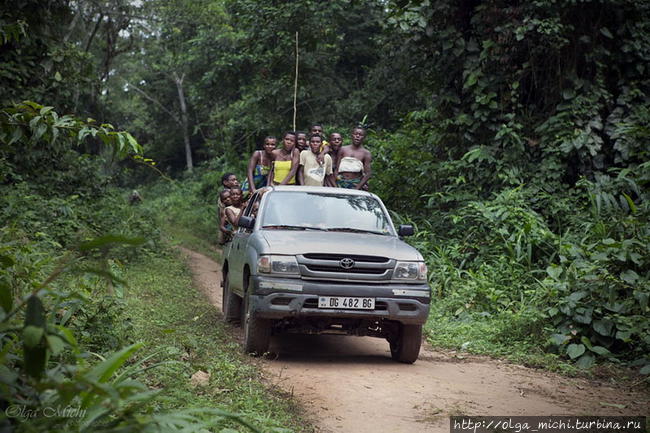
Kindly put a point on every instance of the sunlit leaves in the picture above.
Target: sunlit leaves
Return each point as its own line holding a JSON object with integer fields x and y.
{"x": 30, "y": 124}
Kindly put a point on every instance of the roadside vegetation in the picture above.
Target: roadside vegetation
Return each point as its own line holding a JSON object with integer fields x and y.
{"x": 101, "y": 324}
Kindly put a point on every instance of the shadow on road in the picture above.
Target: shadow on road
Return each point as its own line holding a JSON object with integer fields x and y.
{"x": 338, "y": 349}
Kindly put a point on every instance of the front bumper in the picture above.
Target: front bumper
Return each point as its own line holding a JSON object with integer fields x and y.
{"x": 278, "y": 298}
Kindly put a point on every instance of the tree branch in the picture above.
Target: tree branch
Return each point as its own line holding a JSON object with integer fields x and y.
{"x": 155, "y": 101}
{"x": 92, "y": 35}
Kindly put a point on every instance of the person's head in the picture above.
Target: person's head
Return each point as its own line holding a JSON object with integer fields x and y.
{"x": 316, "y": 128}
{"x": 301, "y": 140}
{"x": 336, "y": 140}
{"x": 224, "y": 196}
{"x": 289, "y": 141}
{"x": 358, "y": 135}
{"x": 270, "y": 143}
{"x": 235, "y": 196}
{"x": 229, "y": 180}
{"x": 315, "y": 142}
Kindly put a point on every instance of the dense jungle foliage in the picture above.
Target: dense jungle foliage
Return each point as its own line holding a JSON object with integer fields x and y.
{"x": 514, "y": 135}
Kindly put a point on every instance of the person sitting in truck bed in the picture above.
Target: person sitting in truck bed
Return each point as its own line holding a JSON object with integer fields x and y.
{"x": 225, "y": 228}
{"x": 228, "y": 181}
{"x": 236, "y": 206}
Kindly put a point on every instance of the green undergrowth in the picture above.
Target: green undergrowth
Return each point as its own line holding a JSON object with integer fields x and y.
{"x": 491, "y": 336}
{"x": 176, "y": 321}
{"x": 186, "y": 210}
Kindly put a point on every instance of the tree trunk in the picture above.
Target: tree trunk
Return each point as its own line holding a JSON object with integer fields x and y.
{"x": 184, "y": 122}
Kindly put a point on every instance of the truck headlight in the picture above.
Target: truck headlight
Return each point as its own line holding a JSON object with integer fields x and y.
{"x": 410, "y": 271}
{"x": 285, "y": 265}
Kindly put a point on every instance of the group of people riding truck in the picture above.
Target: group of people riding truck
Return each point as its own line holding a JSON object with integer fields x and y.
{"x": 301, "y": 160}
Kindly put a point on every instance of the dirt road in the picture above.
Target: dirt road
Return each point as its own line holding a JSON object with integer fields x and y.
{"x": 350, "y": 384}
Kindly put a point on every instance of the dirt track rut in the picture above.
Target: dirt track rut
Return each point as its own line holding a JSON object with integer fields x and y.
{"x": 350, "y": 384}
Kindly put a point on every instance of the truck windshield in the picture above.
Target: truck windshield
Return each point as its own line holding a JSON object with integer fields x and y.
{"x": 332, "y": 212}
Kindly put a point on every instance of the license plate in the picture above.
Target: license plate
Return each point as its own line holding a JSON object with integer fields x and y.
{"x": 348, "y": 303}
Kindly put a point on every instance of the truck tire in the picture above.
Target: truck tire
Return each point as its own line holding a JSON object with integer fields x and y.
{"x": 257, "y": 332}
{"x": 406, "y": 347}
{"x": 230, "y": 303}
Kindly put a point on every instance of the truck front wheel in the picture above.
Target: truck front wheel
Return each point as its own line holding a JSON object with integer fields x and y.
{"x": 230, "y": 303}
{"x": 257, "y": 332}
{"x": 405, "y": 347}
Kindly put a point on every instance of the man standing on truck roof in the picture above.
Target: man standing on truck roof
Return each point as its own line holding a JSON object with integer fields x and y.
{"x": 354, "y": 160}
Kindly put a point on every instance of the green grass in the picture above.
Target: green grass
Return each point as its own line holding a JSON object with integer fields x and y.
{"x": 500, "y": 336}
{"x": 183, "y": 236}
{"x": 174, "y": 320}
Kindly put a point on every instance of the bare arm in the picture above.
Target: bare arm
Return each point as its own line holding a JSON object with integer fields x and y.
{"x": 367, "y": 159}
{"x": 329, "y": 174}
{"x": 336, "y": 170}
{"x": 301, "y": 175}
{"x": 222, "y": 222}
{"x": 269, "y": 177}
{"x": 251, "y": 167}
{"x": 320, "y": 158}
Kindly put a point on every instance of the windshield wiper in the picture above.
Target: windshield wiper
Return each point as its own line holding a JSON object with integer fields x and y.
{"x": 352, "y": 230}
{"x": 290, "y": 227}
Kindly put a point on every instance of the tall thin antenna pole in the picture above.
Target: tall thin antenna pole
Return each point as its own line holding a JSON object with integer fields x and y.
{"x": 295, "y": 87}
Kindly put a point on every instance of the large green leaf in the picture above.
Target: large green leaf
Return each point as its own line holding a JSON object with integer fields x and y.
{"x": 554, "y": 272}
{"x": 55, "y": 344}
{"x": 603, "y": 327}
{"x": 585, "y": 361}
{"x": 600, "y": 350}
{"x": 575, "y": 350}
{"x": 559, "y": 339}
{"x": 32, "y": 336}
{"x": 629, "y": 276}
{"x": 105, "y": 369}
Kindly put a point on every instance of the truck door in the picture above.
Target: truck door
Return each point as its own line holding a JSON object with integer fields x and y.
{"x": 238, "y": 250}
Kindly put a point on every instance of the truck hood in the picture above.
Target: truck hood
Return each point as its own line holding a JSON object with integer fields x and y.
{"x": 368, "y": 244}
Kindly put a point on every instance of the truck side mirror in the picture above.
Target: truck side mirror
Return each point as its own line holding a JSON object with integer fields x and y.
{"x": 246, "y": 222}
{"x": 405, "y": 230}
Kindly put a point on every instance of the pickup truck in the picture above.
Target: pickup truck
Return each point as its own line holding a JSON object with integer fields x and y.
{"x": 324, "y": 260}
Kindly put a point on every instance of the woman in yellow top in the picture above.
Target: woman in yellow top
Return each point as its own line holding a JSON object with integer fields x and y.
{"x": 285, "y": 162}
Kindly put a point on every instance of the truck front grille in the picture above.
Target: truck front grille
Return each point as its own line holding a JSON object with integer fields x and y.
{"x": 349, "y": 267}
{"x": 355, "y": 270}
{"x": 338, "y": 257}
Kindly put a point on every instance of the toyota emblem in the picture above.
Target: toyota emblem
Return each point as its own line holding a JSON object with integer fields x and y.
{"x": 346, "y": 263}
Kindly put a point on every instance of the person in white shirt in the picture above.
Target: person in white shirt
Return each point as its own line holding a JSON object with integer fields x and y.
{"x": 310, "y": 172}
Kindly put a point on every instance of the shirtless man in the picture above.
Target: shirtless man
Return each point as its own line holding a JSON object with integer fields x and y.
{"x": 353, "y": 165}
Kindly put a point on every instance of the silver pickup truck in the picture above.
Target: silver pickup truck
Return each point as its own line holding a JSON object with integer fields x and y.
{"x": 324, "y": 260}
